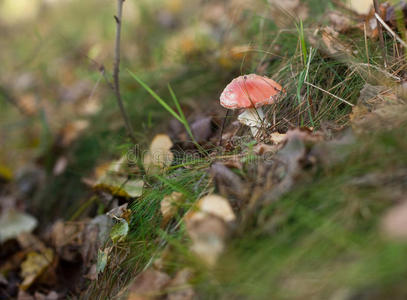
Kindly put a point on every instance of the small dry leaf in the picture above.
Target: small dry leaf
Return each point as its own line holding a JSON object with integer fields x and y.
{"x": 34, "y": 265}
{"x": 169, "y": 206}
{"x": 179, "y": 287}
{"x": 67, "y": 239}
{"x": 217, "y": 206}
{"x": 114, "y": 180}
{"x": 394, "y": 222}
{"x": 159, "y": 155}
{"x": 208, "y": 227}
{"x": 148, "y": 285}
{"x": 277, "y": 138}
{"x": 361, "y": 7}
{"x": 13, "y": 223}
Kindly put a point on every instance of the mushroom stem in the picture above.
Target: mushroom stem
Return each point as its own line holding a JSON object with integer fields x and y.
{"x": 254, "y": 118}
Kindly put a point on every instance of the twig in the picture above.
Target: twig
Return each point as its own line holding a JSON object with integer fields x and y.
{"x": 379, "y": 28}
{"x": 116, "y": 71}
{"x": 330, "y": 94}
{"x": 223, "y": 127}
{"x": 399, "y": 39}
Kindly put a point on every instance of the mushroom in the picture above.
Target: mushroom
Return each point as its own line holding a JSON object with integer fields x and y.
{"x": 250, "y": 92}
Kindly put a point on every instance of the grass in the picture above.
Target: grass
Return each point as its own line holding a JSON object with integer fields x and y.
{"x": 319, "y": 240}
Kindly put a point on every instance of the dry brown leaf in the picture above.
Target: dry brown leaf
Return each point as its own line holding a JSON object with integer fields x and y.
{"x": 209, "y": 226}
{"x": 169, "y": 206}
{"x": 361, "y": 7}
{"x": 35, "y": 265}
{"x": 148, "y": 285}
{"x": 179, "y": 287}
{"x": 159, "y": 155}
{"x": 114, "y": 180}
{"x": 67, "y": 239}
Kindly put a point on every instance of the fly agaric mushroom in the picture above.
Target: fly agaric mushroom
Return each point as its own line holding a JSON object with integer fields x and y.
{"x": 250, "y": 92}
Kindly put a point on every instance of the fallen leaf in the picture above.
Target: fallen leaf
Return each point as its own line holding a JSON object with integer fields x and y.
{"x": 96, "y": 234}
{"x": 117, "y": 212}
{"x": 394, "y": 222}
{"x": 208, "y": 225}
{"x": 12, "y": 223}
{"x": 226, "y": 180}
{"x": 119, "y": 231}
{"x": 169, "y": 206}
{"x": 67, "y": 239}
{"x": 102, "y": 259}
{"x": 159, "y": 155}
{"x": 180, "y": 288}
{"x": 148, "y": 285}
{"x": 34, "y": 265}
{"x": 202, "y": 129}
{"x": 217, "y": 206}
{"x": 114, "y": 180}
{"x": 361, "y": 7}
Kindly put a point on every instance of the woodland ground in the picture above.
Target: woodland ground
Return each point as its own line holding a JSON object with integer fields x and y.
{"x": 313, "y": 207}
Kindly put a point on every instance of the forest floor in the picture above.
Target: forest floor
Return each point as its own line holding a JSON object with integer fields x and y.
{"x": 194, "y": 206}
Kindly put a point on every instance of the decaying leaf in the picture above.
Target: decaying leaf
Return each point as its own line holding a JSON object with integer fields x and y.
{"x": 361, "y": 7}
{"x": 376, "y": 105}
{"x": 148, "y": 285}
{"x": 115, "y": 181}
{"x": 119, "y": 231}
{"x": 102, "y": 258}
{"x": 394, "y": 222}
{"x": 180, "y": 288}
{"x": 34, "y": 265}
{"x": 12, "y": 223}
{"x": 67, "y": 238}
{"x": 169, "y": 206}
{"x": 209, "y": 226}
{"x": 159, "y": 155}
{"x": 227, "y": 181}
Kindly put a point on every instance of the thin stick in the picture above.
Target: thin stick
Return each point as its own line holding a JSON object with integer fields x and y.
{"x": 330, "y": 94}
{"x": 223, "y": 127}
{"x": 400, "y": 40}
{"x": 366, "y": 47}
{"x": 379, "y": 28}
{"x": 116, "y": 71}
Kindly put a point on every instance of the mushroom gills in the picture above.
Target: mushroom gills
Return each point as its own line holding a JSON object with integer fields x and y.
{"x": 254, "y": 118}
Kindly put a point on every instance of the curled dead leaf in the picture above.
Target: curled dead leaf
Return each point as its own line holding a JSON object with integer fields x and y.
{"x": 148, "y": 285}
{"x": 159, "y": 155}
{"x": 169, "y": 206}
{"x": 209, "y": 226}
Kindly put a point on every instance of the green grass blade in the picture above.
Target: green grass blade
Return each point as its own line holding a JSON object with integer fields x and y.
{"x": 156, "y": 97}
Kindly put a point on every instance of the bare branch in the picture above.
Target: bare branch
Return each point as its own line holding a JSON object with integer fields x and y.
{"x": 379, "y": 28}
{"x": 116, "y": 70}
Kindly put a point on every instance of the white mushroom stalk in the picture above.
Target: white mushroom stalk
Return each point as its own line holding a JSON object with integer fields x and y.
{"x": 251, "y": 92}
{"x": 254, "y": 118}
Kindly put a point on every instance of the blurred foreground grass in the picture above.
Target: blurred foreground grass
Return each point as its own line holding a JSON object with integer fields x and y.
{"x": 320, "y": 240}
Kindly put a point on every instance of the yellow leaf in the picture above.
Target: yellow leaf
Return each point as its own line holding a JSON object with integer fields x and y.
{"x": 159, "y": 155}
{"x": 34, "y": 265}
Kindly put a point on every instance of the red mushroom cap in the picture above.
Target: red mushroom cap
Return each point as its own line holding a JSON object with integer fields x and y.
{"x": 249, "y": 91}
